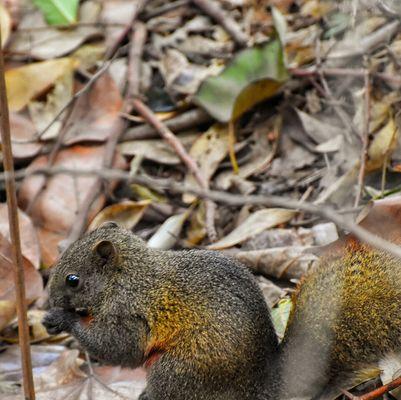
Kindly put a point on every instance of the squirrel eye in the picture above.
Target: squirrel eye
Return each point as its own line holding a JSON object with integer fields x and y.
{"x": 72, "y": 280}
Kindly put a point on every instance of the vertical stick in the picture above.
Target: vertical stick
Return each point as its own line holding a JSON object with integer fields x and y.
{"x": 19, "y": 278}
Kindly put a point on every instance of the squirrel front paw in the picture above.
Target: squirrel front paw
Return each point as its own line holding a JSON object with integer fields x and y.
{"x": 58, "y": 320}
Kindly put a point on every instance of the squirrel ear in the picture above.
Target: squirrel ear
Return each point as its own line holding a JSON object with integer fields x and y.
{"x": 105, "y": 249}
{"x": 109, "y": 224}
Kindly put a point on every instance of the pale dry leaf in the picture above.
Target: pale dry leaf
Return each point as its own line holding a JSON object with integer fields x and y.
{"x": 29, "y": 81}
{"x": 382, "y": 145}
{"x": 51, "y": 43}
{"x": 156, "y": 150}
{"x": 207, "y": 151}
{"x": 5, "y": 23}
{"x": 254, "y": 224}
{"x": 169, "y": 232}
{"x": 116, "y": 15}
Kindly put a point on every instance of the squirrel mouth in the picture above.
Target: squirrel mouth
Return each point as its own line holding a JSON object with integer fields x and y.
{"x": 81, "y": 311}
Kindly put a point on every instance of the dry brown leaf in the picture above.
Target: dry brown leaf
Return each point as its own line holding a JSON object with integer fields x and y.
{"x": 281, "y": 262}
{"x": 49, "y": 242}
{"x": 33, "y": 282}
{"x": 96, "y": 112}
{"x": 126, "y": 214}
{"x": 29, "y": 238}
{"x": 254, "y": 224}
{"x": 29, "y": 81}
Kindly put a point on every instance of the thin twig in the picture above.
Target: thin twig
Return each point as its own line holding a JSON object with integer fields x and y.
{"x": 138, "y": 40}
{"x": 172, "y": 140}
{"x": 352, "y": 72}
{"x": 365, "y": 140}
{"x": 214, "y": 10}
{"x": 19, "y": 278}
{"x": 51, "y": 159}
{"x": 374, "y": 394}
{"x": 135, "y": 54}
{"x": 227, "y": 198}
{"x": 179, "y": 123}
{"x": 165, "y": 8}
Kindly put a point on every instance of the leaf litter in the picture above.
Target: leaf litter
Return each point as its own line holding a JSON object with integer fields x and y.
{"x": 279, "y": 109}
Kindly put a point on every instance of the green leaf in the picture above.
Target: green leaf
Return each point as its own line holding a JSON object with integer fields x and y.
{"x": 254, "y": 75}
{"x": 58, "y": 12}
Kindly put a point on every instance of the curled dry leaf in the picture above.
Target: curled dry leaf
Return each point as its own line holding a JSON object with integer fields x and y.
{"x": 33, "y": 282}
{"x": 29, "y": 81}
{"x": 55, "y": 209}
{"x": 383, "y": 143}
{"x": 279, "y": 262}
{"x": 254, "y": 224}
{"x": 208, "y": 151}
{"x": 127, "y": 214}
{"x": 22, "y": 130}
{"x": 96, "y": 112}
{"x": 167, "y": 235}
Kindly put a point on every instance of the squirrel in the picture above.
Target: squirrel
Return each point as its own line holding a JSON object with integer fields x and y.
{"x": 198, "y": 322}
{"x": 196, "y": 319}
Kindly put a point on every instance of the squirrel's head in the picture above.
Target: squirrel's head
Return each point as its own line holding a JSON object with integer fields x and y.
{"x": 79, "y": 279}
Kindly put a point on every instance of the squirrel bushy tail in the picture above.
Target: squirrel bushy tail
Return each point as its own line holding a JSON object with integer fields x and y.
{"x": 346, "y": 318}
